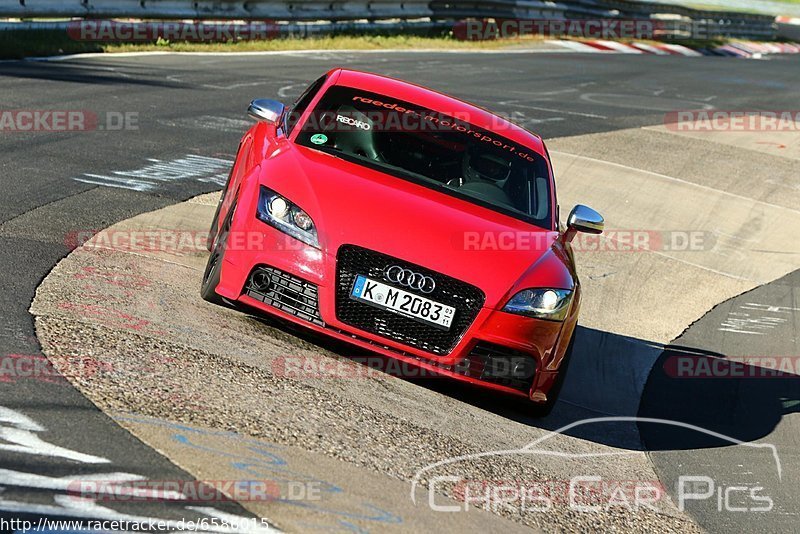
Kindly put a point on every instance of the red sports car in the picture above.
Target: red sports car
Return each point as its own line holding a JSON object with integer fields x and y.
{"x": 407, "y": 222}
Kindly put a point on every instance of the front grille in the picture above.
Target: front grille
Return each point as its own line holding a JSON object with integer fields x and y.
{"x": 500, "y": 365}
{"x": 465, "y": 298}
{"x": 284, "y": 291}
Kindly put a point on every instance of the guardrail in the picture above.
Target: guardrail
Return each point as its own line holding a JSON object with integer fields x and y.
{"x": 297, "y": 10}
{"x": 701, "y": 24}
{"x": 221, "y": 29}
{"x": 676, "y": 22}
{"x": 506, "y": 9}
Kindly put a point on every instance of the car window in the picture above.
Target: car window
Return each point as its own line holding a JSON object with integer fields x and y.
{"x": 302, "y": 103}
{"x": 440, "y": 151}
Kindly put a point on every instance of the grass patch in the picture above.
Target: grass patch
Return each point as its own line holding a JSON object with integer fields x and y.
{"x": 336, "y": 42}
{"x": 700, "y": 43}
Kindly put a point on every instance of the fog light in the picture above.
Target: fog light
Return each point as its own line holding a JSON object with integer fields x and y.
{"x": 261, "y": 281}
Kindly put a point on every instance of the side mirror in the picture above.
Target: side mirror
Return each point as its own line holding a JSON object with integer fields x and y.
{"x": 583, "y": 219}
{"x": 269, "y": 111}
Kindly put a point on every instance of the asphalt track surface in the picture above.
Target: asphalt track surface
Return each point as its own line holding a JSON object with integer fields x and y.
{"x": 751, "y": 410}
{"x": 195, "y": 104}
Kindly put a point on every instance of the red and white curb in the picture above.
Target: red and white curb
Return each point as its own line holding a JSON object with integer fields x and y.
{"x": 615, "y": 47}
{"x": 743, "y": 49}
{"x": 752, "y": 49}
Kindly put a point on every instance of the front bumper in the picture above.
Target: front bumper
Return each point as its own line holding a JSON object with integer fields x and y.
{"x": 282, "y": 277}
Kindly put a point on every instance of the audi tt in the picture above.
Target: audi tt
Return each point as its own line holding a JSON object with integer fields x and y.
{"x": 407, "y": 222}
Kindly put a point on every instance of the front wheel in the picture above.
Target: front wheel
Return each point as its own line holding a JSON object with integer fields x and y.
{"x": 211, "y": 275}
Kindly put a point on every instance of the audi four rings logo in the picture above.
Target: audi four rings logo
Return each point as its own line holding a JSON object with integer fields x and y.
{"x": 410, "y": 279}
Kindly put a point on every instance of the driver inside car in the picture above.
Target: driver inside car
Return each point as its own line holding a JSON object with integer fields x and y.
{"x": 484, "y": 175}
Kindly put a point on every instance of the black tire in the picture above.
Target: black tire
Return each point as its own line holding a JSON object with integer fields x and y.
{"x": 214, "y": 264}
{"x": 212, "y": 232}
{"x": 536, "y": 409}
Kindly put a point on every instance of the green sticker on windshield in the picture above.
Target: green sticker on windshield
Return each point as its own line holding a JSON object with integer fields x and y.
{"x": 319, "y": 139}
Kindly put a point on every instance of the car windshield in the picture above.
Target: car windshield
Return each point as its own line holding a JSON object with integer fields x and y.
{"x": 440, "y": 151}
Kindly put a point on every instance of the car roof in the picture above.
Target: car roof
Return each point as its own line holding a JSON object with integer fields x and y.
{"x": 437, "y": 101}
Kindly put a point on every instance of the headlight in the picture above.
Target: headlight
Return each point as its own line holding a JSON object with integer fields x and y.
{"x": 550, "y": 304}
{"x": 284, "y": 215}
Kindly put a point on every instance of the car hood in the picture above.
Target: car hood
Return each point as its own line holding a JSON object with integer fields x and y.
{"x": 351, "y": 204}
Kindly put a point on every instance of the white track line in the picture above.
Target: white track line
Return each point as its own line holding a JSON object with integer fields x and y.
{"x": 526, "y": 106}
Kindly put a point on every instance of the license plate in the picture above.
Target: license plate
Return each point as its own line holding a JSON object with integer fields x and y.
{"x": 402, "y": 302}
